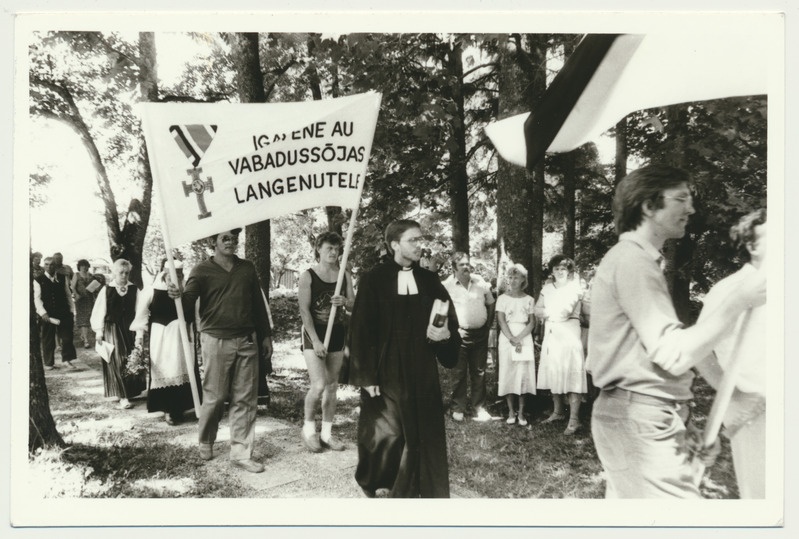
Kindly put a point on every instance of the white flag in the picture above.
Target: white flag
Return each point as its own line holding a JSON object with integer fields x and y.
{"x": 219, "y": 166}
{"x": 637, "y": 72}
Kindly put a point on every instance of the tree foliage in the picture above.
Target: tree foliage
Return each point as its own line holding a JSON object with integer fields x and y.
{"x": 89, "y": 81}
{"x": 430, "y": 157}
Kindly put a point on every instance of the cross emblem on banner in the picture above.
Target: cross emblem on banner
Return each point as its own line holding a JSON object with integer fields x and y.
{"x": 198, "y": 187}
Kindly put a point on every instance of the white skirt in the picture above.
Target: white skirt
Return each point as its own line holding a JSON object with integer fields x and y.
{"x": 516, "y": 377}
{"x": 562, "y": 368}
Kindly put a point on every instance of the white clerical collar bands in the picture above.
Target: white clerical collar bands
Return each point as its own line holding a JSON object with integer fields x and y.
{"x": 406, "y": 284}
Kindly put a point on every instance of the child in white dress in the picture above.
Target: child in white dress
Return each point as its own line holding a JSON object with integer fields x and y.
{"x": 516, "y": 353}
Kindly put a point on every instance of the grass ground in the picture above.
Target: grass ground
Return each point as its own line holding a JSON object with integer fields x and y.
{"x": 132, "y": 454}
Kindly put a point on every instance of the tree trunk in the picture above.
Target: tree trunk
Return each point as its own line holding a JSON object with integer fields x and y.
{"x": 250, "y": 81}
{"x": 620, "y": 164}
{"x": 569, "y": 204}
{"x": 569, "y": 180}
{"x": 536, "y": 61}
{"x": 335, "y": 219}
{"x": 314, "y": 83}
{"x": 679, "y": 253}
{"x": 515, "y": 186}
{"x": 41, "y": 425}
{"x": 148, "y": 88}
{"x": 458, "y": 175}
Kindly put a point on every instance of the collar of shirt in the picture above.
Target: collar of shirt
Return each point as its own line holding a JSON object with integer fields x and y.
{"x": 51, "y": 277}
{"x": 406, "y": 284}
{"x": 648, "y": 248}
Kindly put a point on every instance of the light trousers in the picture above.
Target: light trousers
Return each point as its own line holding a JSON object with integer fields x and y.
{"x": 231, "y": 373}
{"x": 640, "y": 441}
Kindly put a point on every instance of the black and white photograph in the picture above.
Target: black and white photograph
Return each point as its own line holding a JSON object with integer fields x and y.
{"x": 298, "y": 267}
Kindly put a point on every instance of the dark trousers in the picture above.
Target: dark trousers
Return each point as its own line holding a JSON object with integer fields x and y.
{"x": 64, "y": 331}
{"x": 471, "y": 368}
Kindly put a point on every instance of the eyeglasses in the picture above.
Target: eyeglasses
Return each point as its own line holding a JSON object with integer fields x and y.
{"x": 414, "y": 241}
{"x": 682, "y": 199}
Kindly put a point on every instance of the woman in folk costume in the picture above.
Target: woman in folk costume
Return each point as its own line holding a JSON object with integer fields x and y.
{"x": 562, "y": 368}
{"x": 111, "y": 317}
{"x": 169, "y": 386}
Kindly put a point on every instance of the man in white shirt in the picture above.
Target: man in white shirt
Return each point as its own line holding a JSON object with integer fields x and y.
{"x": 55, "y": 307}
{"x": 474, "y": 304}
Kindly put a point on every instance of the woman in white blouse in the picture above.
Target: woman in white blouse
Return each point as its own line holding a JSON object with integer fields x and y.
{"x": 111, "y": 318}
{"x": 562, "y": 368}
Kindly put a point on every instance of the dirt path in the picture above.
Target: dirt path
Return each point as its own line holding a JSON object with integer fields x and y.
{"x": 84, "y": 416}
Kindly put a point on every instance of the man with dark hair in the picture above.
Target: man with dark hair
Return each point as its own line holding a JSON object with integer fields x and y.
{"x": 474, "y": 304}
{"x": 233, "y": 320}
{"x": 639, "y": 353}
{"x": 55, "y": 307}
{"x": 745, "y": 344}
{"x": 393, "y": 350}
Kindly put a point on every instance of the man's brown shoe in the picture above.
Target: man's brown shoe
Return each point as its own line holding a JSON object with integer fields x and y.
{"x": 249, "y": 465}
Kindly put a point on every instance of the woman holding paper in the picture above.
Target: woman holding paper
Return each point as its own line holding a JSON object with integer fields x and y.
{"x": 515, "y": 316}
{"x": 562, "y": 368}
{"x": 112, "y": 315}
{"x": 84, "y": 290}
{"x": 317, "y": 294}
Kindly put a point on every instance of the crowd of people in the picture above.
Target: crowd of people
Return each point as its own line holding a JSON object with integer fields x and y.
{"x": 401, "y": 320}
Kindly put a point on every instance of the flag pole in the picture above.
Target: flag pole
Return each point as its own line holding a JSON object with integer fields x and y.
{"x": 341, "y": 272}
{"x": 188, "y": 353}
{"x": 723, "y": 396}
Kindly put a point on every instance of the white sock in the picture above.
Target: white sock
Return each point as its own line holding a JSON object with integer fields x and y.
{"x": 309, "y": 427}
{"x": 327, "y": 430}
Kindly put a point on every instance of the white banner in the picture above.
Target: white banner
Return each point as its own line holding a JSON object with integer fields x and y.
{"x": 219, "y": 166}
{"x": 645, "y": 71}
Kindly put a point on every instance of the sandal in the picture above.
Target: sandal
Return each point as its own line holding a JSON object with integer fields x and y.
{"x": 555, "y": 417}
{"x": 522, "y": 421}
{"x": 511, "y": 419}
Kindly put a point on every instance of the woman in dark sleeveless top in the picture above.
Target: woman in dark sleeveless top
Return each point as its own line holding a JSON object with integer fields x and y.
{"x": 316, "y": 297}
{"x": 111, "y": 317}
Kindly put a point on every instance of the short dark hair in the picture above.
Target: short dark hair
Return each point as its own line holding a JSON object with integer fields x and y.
{"x": 396, "y": 229}
{"x": 559, "y": 260}
{"x": 456, "y": 257}
{"x": 645, "y": 184}
{"x": 743, "y": 232}
{"x": 83, "y": 263}
{"x": 329, "y": 237}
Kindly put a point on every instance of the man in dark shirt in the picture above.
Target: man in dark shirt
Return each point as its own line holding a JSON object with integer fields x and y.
{"x": 233, "y": 320}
